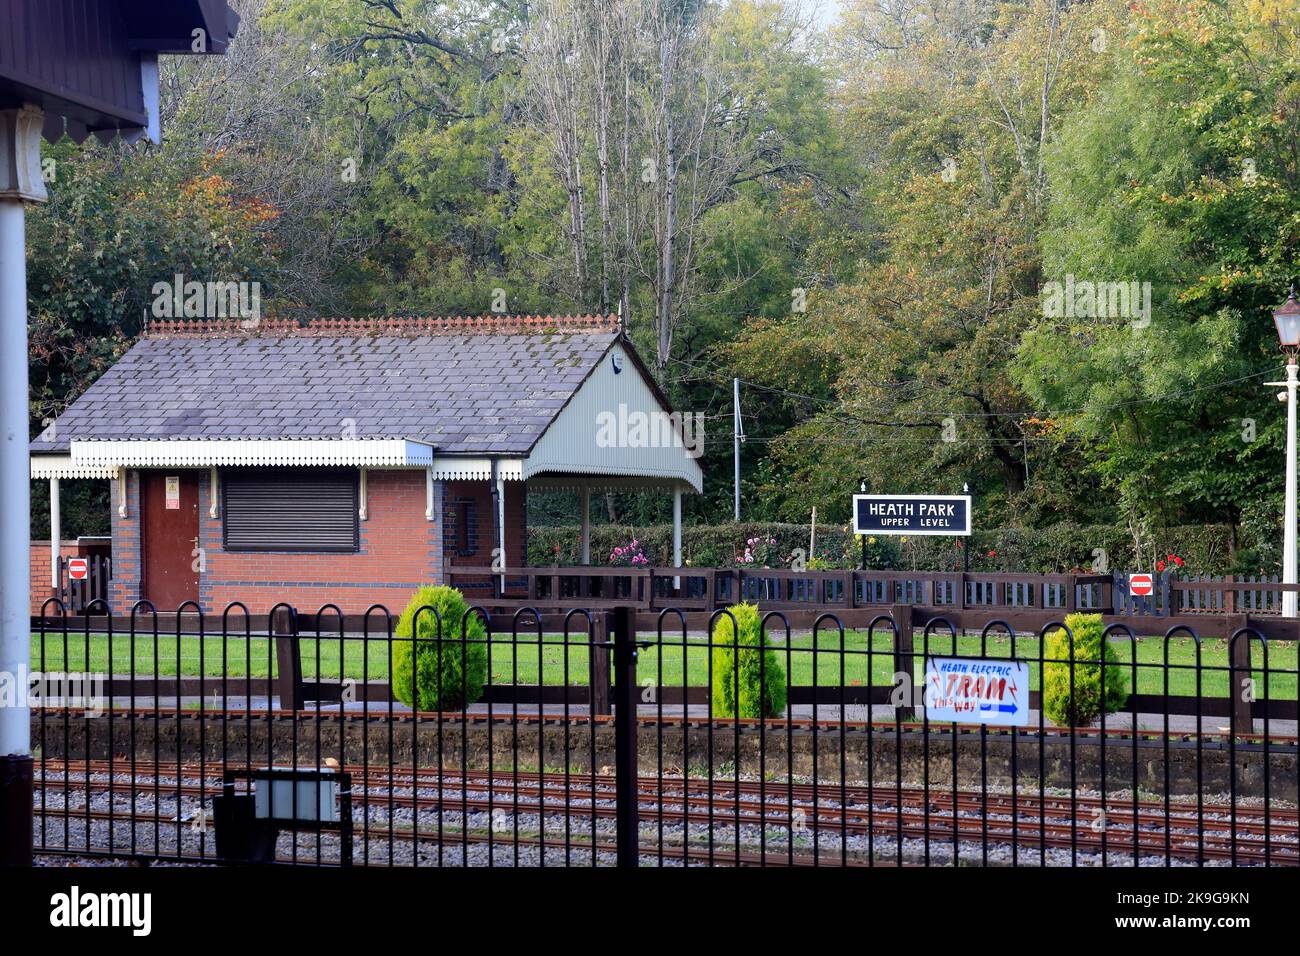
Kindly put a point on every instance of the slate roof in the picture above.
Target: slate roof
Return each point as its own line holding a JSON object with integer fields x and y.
{"x": 465, "y": 386}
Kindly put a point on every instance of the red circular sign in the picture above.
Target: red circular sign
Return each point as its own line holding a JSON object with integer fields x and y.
{"x": 78, "y": 569}
{"x": 1140, "y": 585}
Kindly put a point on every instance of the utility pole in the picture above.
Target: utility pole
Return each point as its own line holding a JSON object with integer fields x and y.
{"x": 737, "y": 436}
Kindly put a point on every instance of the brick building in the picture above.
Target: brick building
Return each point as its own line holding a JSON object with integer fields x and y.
{"x": 350, "y": 461}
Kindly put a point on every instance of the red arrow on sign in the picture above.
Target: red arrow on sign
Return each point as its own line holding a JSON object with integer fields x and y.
{"x": 78, "y": 569}
{"x": 1141, "y": 585}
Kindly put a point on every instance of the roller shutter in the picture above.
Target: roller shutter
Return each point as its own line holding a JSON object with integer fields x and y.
{"x": 290, "y": 510}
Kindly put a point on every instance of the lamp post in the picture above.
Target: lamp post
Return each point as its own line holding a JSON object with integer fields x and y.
{"x": 1287, "y": 319}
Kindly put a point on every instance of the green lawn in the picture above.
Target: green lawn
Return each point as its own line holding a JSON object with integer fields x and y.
{"x": 523, "y": 662}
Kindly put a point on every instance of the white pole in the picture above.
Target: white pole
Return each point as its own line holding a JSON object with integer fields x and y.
{"x": 735, "y": 434}
{"x": 1289, "y": 512}
{"x": 56, "y": 533}
{"x": 15, "y": 475}
{"x": 20, "y": 181}
{"x": 585, "y": 539}
{"x": 501, "y": 526}
{"x": 677, "y": 532}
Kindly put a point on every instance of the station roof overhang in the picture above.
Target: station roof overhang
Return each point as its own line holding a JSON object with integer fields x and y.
{"x": 114, "y": 88}
{"x": 105, "y": 459}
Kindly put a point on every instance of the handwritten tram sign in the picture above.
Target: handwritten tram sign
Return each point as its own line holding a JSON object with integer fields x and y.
{"x": 968, "y": 690}
{"x": 911, "y": 514}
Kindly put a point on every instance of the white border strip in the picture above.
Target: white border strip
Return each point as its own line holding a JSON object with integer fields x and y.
{"x": 198, "y": 453}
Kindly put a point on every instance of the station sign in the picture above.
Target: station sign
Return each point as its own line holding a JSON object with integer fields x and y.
{"x": 912, "y": 514}
{"x": 971, "y": 690}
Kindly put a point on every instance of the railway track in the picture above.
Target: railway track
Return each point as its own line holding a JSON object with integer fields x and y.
{"x": 828, "y": 815}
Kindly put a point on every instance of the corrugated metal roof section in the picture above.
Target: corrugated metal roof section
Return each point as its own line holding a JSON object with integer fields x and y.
{"x": 616, "y": 425}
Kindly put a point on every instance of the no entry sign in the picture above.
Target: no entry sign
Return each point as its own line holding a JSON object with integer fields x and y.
{"x": 911, "y": 514}
{"x": 1141, "y": 585}
{"x": 969, "y": 690}
{"x": 78, "y": 569}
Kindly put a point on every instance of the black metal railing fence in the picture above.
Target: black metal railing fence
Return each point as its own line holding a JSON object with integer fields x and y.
{"x": 605, "y": 737}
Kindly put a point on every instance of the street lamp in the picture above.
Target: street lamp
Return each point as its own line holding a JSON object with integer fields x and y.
{"x": 1287, "y": 319}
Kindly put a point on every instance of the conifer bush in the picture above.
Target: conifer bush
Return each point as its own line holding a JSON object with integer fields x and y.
{"x": 761, "y": 681}
{"x": 449, "y": 673}
{"x": 1085, "y": 704}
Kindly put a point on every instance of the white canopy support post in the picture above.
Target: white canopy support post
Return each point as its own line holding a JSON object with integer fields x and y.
{"x": 677, "y": 533}
{"x": 121, "y": 492}
{"x": 364, "y": 511}
{"x": 20, "y": 183}
{"x": 585, "y": 537}
{"x": 428, "y": 493}
{"x": 501, "y": 523}
{"x": 213, "y": 512}
{"x": 56, "y": 534}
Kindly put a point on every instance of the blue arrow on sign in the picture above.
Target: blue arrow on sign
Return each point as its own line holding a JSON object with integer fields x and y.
{"x": 1001, "y": 708}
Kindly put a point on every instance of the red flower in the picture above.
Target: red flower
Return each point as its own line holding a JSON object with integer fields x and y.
{"x": 1160, "y": 565}
{"x": 993, "y": 554}
{"x": 1178, "y": 561}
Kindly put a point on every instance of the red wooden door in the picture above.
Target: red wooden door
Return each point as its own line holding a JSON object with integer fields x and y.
{"x": 169, "y": 537}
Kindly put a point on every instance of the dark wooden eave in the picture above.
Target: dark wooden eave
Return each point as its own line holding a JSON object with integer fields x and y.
{"x": 81, "y": 61}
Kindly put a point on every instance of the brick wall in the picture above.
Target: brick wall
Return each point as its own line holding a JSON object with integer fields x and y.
{"x": 473, "y": 499}
{"x": 40, "y": 575}
{"x": 400, "y": 551}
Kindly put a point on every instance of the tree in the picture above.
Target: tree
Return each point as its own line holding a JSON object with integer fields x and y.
{"x": 916, "y": 345}
{"x": 1180, "y": 173}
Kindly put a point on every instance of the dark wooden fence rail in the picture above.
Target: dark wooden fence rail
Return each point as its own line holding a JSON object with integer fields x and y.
{"x": 706, "y": 589}
{"x": 295, "y": 691}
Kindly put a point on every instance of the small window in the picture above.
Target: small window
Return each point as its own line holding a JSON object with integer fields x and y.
{"x": 290, "y": 510}
{"x": 464, "y": 520}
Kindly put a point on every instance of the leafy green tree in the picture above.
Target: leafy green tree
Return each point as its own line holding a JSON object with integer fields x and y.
{"x": 1180, "y": 172}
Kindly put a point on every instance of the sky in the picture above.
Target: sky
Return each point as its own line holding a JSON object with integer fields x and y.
{"x": 828, "y": 11}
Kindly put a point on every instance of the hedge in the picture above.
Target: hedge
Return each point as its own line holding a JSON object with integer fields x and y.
{"x": 1204, "y": 549}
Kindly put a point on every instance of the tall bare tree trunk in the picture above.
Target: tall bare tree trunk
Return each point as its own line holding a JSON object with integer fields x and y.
{"x": 668, "y": 202}
{"x": 601, "y": 49}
